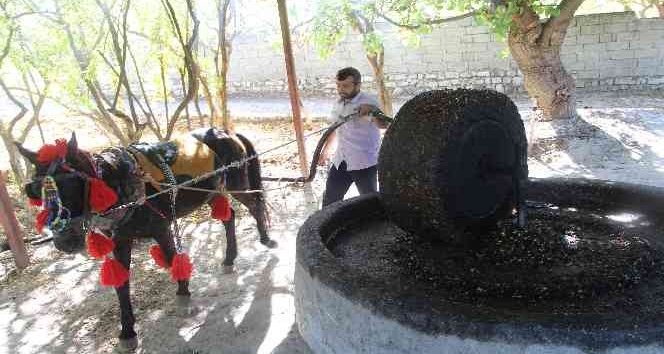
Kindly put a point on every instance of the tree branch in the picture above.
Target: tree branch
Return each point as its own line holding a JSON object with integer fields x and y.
{"x": 5, "y": 50}
{"x": 437, "y": 21}
{"x": 189, "y": 62}
{"x": 28, "y": 13}
{"x": 555, "y": 28}
{"x": 150, "y": 114}
{"x": 567, "y": 9}
{"x": 18, "y": 103}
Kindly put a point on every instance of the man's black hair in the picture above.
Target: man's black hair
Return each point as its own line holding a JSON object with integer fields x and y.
{"x": 344, "y": 73}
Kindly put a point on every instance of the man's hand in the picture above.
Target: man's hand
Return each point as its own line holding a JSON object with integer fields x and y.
{"x": 364, "y": 109}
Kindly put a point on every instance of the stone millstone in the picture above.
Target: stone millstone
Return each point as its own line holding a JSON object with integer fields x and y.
{"x": 451, "y": 160}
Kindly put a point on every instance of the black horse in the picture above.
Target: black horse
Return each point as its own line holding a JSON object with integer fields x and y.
{"x": 120, "y": 168}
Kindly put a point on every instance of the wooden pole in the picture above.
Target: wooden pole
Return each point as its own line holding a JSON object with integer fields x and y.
{"x": 292, "y": 87}
{"x": 10, "y": 225}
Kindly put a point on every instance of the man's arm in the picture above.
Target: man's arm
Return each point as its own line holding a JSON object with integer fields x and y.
{"x": 366, "y": 109}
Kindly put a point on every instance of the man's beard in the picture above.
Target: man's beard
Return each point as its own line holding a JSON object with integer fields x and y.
{"x": 349, "y": 96}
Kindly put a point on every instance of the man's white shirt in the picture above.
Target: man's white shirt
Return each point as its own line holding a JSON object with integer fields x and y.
{"x": 358, "y": 139}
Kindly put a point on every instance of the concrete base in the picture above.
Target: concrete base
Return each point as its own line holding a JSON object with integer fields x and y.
{"x": 331, "y": 323}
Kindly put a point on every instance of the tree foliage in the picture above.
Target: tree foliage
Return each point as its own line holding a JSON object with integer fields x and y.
{"x": 498, "y": 15}
{"x": 335, "y": 18}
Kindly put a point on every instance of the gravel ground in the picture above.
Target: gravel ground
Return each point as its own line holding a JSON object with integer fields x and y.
{"x": 57, "y": 305}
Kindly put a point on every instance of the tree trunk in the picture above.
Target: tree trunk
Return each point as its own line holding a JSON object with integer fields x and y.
{"x": 214, "y": 111}
{"x": 377, "y": 65}
{"x": 545, "y": 79}
{"x": 536, "y": 49}
{"x": 222, "y": 89}
{"x": 660, "y": 8}
{"x": 222, "y": 60}
{"x": 201, "y": 119}
{"x": 14, "y": 159}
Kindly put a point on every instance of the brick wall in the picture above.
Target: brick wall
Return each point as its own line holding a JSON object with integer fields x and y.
{"x": 603, "y": 52}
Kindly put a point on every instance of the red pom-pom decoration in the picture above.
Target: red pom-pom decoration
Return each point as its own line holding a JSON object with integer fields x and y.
{"x": 101, "y": 195}
{"x": 221, "y": 208}
{"x": 158, "y": 256}
{"x": 99, "y": 245}
{"x": 35, "y": 202}
{"x": 40, "y": 220}
{"x": 113, "y": 273}
{"x": 49, "y": 152}
{"x": 182, "y": 267}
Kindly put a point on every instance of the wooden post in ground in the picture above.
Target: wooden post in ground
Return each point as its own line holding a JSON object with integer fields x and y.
{"x": 292, "y": 87}
{"x": 10, "y": 225}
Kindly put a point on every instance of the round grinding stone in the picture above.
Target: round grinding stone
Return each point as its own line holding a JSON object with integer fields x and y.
{"x": 451, "y": 161}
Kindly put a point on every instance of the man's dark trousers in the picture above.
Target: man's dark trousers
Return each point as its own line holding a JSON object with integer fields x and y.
{"x": 339, "y": 180}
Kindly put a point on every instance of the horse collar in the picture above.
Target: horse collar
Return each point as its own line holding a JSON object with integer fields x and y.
{"x": 130, "y": 190}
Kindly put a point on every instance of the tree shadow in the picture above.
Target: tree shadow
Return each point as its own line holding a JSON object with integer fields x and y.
{"x": 61, "y": 308}
{"x": 66, "y": 310}
{"x": 619, "y": 144}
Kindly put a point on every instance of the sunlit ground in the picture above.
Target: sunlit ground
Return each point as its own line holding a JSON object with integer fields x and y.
{"x": 57, "y": 306}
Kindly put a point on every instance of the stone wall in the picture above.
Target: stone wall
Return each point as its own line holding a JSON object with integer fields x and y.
{"x": 614, "y": 51}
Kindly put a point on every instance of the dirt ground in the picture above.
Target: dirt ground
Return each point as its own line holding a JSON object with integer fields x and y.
{"x": 57, "y": 305}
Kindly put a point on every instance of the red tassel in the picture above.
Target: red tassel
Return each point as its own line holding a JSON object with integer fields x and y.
{"x": 101, "y": 195}
{"x": 35, "y": 202}
{"x": 99, "y": 245}
{"x": 113, "y": 273}
{"x": 49, "y": 152}
{"x": 158, "y": 256}
{"x": 40, "y": 220}
{"x": 221, "y": 208}
{"x": 182, "y": 267}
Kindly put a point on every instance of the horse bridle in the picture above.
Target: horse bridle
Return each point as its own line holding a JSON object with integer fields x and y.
{"x": 103, "y": 220}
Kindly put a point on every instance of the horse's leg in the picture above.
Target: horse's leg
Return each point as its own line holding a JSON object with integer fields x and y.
{"x": 231, "y": 241}
{"x": 122, "y": 253}
{"x": 257, "y": 209}
{"x": 167, "y": 245}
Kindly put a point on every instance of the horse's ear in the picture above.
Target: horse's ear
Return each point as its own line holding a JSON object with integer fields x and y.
{"x": 31, "y": 156}
{"x": 72, "y": 146}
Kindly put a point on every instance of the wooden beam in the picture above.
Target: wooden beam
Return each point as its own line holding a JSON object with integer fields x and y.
{"x": 10, "y": 225}
{"x": 292, "y": 87}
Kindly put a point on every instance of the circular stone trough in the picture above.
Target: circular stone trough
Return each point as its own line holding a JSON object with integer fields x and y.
{"x": 461, "y": 253}
{"x": 363, "y": 285}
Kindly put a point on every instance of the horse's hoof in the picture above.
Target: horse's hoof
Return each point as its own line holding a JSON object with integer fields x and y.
{"x": 128, "y": 345}
{"x": 228, "y": 269}
{"x": 183, "y": 300}
{"x": 184, "y": 306}
{"x": 269, "y": 243}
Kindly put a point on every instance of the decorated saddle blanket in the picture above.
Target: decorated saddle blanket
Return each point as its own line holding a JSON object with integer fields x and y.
{"x": 185, "y": 155}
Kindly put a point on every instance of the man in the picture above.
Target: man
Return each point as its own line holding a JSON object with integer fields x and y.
{"x": 358, "y": 140}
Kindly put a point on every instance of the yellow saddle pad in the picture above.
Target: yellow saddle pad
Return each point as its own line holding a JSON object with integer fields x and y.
{"x": 193, "y": 158}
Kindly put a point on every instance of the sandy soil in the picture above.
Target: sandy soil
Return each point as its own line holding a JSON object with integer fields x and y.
{"x": 57, "y": 305}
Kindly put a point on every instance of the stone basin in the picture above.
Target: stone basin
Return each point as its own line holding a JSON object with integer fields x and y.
{"x": 586, "y": 276}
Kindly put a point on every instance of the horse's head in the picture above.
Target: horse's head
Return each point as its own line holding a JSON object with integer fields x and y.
{"x": 60, "y": 180}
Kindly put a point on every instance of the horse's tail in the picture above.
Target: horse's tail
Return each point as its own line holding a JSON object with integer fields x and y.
{"x": 254, "y": 165}
{"x": 254, "y": 171}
